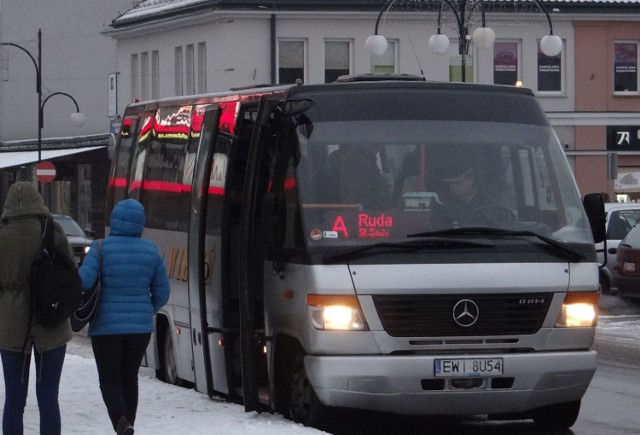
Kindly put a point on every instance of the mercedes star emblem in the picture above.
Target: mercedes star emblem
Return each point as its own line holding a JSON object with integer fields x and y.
{"x": 465, "y": 312}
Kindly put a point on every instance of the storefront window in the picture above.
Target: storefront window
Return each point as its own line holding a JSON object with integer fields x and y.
{"x": 550, "y": 74}
{"x": 505, "y": 63}
{"x": 625, "y": 66}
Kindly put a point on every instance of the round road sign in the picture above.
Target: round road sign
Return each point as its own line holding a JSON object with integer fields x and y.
{"x": 45, "y": 172}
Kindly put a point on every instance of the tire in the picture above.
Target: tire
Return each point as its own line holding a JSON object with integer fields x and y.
{"x": 560, "y": 416}
{"x": 168, "y": 367}
{"x": 304, "y": 405}
{"x": 604, "y": 285}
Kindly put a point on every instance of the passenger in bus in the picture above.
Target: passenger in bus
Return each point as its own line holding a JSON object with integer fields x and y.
{"x": 134, "y": 288}
{"x": 356, "y": 177}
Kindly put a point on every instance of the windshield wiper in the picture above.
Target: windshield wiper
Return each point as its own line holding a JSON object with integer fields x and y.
{"x": 561, "y": 247}
{"x": 412, "y": 245}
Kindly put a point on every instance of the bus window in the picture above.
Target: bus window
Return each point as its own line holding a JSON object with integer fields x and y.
{"x": 163, "y": 185}
{"x": 136, "y": 170}
{"x": 217, "y": 184}
{"x": 293, "y": 234}
{"x": 122, "y": 161}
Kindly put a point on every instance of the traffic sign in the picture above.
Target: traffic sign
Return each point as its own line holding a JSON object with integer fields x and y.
{"x": 45, "y": 172}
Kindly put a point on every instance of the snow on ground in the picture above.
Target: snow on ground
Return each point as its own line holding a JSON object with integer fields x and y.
{"x": 166, "y": 409}
{"x": 162, "y": 409}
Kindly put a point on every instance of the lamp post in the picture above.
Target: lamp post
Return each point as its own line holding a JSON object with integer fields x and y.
{"x": 483, "y": 36}
{"x": 77, "y": 118}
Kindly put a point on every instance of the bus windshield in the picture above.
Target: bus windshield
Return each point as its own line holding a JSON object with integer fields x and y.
{"x": 367, "y": 181}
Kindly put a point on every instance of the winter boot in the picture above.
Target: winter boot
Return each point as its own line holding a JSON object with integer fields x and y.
{"x": 124, "y": 427}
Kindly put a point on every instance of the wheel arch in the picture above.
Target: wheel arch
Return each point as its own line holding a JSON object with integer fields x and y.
{"x": 162, "y": 329}
{"x": 607, "y": 281}
{"x": 287, "y": 350}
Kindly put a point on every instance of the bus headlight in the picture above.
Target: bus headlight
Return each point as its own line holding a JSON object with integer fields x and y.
{"x": 580, "y": 309}
{"x": 336, "y": 313}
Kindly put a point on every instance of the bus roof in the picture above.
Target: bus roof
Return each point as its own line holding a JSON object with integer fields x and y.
{"x": 354, "y": 82}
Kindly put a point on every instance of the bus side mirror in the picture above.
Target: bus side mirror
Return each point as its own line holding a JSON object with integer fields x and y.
{"x": 594, "y": 206}
{"x": 274, "y": 218}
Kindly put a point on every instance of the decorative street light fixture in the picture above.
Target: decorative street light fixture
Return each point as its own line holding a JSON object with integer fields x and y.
{"x": 77, "y": 118}
{"x": 483, "y": 36}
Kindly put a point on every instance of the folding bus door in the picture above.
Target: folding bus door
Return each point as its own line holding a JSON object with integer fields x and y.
{"x": 205, "y": 286}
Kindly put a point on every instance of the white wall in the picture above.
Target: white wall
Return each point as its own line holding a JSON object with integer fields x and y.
{"x": 238, "y": 47}
{"x": 76, "y": 59}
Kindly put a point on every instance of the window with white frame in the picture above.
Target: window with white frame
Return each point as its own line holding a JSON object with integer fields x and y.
{"x": 506, "y": 62}
{"x": 625, "y": 67}
{"x": 134, "y": 76}
{"x": 337, "y": 59}
{"x": 291, "y": 61}
{"x": 550, "y": 72}
{"x": 385, "y": 63}
{"x": 202, "y": 67}
{"x": 178, "y": 70}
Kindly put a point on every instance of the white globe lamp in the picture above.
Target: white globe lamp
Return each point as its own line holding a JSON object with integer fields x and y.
{"x": 376, "y": 44}
{"x": 551, "y": 45}
{"x": 484, "y": 37}
{"x": 77, "y": 119}
{"x": 439, "y": 43}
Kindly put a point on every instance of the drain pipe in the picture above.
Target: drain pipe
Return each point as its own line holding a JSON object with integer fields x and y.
{"x": 273, "y": 49}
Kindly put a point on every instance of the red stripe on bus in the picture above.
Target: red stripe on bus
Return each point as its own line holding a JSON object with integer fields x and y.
{"x": 163, "y": 186}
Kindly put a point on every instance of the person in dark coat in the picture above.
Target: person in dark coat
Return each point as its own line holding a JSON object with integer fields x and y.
{"x": 20, "y": 332}
{"x": 468, "y": 204}
{"x": 464, "y": 194}
{"x": 135, "y": 287}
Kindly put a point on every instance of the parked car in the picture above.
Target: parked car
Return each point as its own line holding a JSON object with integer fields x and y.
{"x": 78, "y": 240}
{"x": 628, "y": 264}
{"x": 621, "y": 217}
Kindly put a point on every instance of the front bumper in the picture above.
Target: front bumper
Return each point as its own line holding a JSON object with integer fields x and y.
{"x": 395, "y": 383}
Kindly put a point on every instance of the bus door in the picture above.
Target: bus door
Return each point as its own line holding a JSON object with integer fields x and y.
{"x": 204, "y": 241}
{"x": 255, "y": 385}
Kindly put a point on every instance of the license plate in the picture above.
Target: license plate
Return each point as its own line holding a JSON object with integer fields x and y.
{"x": 629, "y": 267}
{"x": 467, "y": 367}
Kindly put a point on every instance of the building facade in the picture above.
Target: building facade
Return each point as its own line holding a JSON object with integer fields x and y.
{"x": 74, "y": 59}
{"x": 109, "y": 53}
{"x": 173, "y": 48}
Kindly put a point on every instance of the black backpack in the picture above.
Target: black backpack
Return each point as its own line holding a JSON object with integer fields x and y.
{"x": 55, "y": 282}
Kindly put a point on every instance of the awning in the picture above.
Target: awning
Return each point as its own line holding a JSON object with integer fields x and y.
{"x": 18, "y": 158}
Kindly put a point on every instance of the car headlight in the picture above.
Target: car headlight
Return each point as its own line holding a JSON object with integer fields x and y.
{"x": 579, "y": 309}
{"x": 336, "y": 313}
{"x": 86, "y": 249}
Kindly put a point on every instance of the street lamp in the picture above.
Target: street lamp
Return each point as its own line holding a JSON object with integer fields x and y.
{"x": 77, "y": 118}
{"x": 483, "y": 36}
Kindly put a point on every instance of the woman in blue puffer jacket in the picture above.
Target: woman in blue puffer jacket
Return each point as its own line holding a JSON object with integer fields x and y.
{"x": 134, "y": 288}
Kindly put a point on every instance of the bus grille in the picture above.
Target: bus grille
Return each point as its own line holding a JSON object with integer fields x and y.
{"x": 432, "y": 315}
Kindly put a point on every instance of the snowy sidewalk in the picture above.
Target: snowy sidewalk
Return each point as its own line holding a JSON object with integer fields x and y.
{"x": 162, "y": 409}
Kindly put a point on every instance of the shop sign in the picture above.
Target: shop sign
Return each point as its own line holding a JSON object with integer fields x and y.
{"x": 623, "y": 138}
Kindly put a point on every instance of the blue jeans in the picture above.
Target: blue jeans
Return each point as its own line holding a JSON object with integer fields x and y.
{"x": 15, "y": 366}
